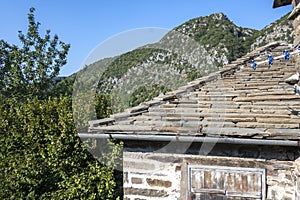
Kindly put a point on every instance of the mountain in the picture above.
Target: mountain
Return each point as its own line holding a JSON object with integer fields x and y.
{"x": 220, "y": 36}
{"x": 280, "y": 30}
{"x": 191, "y": 50}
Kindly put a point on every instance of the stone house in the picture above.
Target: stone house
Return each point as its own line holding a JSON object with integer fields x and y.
{"x": 234, "y": 134}
{"x": 295, "y": 16}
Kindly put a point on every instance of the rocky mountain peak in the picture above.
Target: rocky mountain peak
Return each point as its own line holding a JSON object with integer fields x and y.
{"x": 218, "y": 16}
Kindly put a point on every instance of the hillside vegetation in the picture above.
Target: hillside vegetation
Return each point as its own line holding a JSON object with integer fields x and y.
{"x": 191, "y": 50}
{"x": 280, "y": 30}
{"x": 220, "y": 36}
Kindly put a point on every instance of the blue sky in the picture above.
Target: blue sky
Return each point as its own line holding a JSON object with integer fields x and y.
{"x": 90, "y": 23}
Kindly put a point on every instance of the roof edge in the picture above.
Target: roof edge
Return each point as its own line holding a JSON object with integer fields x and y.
{"x": 164, "y": 138}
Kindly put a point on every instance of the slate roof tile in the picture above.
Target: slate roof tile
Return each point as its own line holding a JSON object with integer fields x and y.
{"x": 235, "y": 102}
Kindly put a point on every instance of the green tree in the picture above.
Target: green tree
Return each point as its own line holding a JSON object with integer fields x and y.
{"x": 43, "y": 158}
{"x": 41, "y": 155}
{"x": 30, "y": 68}
{"x": 146, "y": 93}
{"x": 103, "y": 105}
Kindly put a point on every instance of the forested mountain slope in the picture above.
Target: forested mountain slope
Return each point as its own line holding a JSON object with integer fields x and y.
{"x": 193, "y": 49}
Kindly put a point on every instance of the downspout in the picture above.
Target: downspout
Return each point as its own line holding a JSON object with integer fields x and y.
{"x": 165, "y": 138}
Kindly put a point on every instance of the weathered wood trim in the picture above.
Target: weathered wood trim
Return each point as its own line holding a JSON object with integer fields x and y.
{"x": 279, "y": 3}
{"x": 184, "y": 192}
{"x": 261, "y": 195}
{"x": 295, "y": 12}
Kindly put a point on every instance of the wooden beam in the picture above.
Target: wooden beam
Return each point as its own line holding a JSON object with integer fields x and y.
{"x": 279, "y": 3}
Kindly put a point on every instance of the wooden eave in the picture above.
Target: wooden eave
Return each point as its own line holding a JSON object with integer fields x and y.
{"x": 295, "y": 12}
{"x": 280, "y": 3}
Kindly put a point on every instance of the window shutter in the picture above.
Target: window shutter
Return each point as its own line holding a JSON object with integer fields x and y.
{"x": 214, "y": 182}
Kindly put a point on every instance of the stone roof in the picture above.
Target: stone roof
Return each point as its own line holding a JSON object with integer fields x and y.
{"x": 235, "y": 102}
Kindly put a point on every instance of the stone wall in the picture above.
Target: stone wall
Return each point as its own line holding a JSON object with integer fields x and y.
{"x": 164, "y": 175}
{"x": 296, "y": 23}
{"x": 297, "y": 175}
{"x": 297, "y": 38}
{"x": 150, "y": 176}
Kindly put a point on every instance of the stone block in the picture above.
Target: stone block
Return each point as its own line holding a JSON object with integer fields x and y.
{"x": 135, "y": 180}
{"x": 145, "y": 192}
{"x": 298, "y": 186}
{"x": 158, "y": 183}
{"x": 125, "y": 177}
{"x": 297, "y": 166}
{"x": 139, "y": 165}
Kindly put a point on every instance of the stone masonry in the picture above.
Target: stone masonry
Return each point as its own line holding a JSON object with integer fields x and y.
{"x": 164, "y": 175}
{"x": 295, "y": 15}
{"x": 258, "y": 106}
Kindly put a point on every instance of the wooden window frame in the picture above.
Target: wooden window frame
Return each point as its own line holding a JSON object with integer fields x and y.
{"x": 233, "y": 169}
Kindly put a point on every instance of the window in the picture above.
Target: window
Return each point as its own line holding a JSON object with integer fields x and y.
{"x": 226, "y": 183}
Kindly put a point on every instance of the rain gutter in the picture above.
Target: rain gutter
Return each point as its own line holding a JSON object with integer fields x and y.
{"x": 167, "y": 138}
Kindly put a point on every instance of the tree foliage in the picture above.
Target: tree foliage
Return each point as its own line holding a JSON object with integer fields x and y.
{"x": 41, "y": 155}
{"x": 280, "y": 30}
{"x": 30, "y": 69}
{"x": 146, "y": 93}
{"x": 43, "y": 158}
{"x": 217, "y": 31}
{"x": 103, "y": 105}
{"x": 121, "y": 64}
